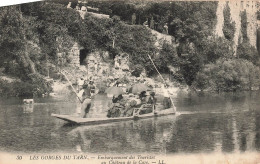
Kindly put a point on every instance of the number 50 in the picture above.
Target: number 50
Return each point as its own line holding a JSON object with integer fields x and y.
{"x": 19, "y": 157}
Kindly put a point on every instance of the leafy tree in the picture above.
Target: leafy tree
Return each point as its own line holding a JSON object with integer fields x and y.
{"x": 228, "y": 75}
{"x": 214, "y": 48}
{"x": 166, "y": 57}
{"x": 229, "y": 26}
{"x": 13, "y": 43}
{"x": 246, "y": 51}
{"x": 244, "y": 25}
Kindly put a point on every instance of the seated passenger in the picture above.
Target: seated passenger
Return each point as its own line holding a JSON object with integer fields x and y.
{"x": 147, "y": 105}
{"x": 117, "y": 107}
{"x": 131, "y": 103}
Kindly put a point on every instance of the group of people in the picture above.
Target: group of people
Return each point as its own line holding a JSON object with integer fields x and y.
{"x": 79, "y": 6}
{"x": 134, "y": 104}
{"x": 122, "y": 105}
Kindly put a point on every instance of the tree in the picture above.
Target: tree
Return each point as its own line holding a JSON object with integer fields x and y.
{"x": 214, "y": 48}
{"x": 248, "y": 52}
{"x": 228, "y": 75}
{"x": 229, "y": 26}
{"x": 13, "y": 43}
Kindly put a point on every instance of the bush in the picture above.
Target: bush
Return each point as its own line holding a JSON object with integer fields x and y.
{"x": 246, "y": 51}
{"x": 137, "y": 70}
{"x": 228, "y": 75}
{"x": 36, "y": 85}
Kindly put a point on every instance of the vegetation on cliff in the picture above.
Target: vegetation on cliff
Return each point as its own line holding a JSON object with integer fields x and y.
{"x": 33, "y": 34}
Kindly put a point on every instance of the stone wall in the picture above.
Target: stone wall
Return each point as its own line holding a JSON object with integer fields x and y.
{"x": 74, "y": 55}
{"x": 121, "y": 65}
{"x": 96, "y": 64}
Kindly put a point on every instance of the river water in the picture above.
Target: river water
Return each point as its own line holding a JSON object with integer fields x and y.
{"x": 205, "y": 123}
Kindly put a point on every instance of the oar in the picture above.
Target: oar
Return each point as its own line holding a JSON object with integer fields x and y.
{"x": 163, "y": 80}
{"x": 71, "y": 86}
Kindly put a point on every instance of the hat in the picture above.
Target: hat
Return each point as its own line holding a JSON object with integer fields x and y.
{"x": 152, "y": 93}
{"x": 131, "y": 95}
{"x": 85, "y": 86}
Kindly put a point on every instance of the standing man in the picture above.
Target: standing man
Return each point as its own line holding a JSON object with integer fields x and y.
{"x": 89, "y": 90}
{"x": 166, "y": 100}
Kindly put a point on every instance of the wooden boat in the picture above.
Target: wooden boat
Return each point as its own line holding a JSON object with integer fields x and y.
{"x": 92, "y": 121}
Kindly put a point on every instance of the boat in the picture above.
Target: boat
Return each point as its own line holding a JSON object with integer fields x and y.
{"x": 93, "y": 121}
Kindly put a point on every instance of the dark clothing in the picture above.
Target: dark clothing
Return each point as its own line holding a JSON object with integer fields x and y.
{"x": 118, "y": 107}
{"x": 167, "y": 102}
{"x": 151, "y": 100}
{"x": 88, "y": 91}
{"x": 92, "y": 88}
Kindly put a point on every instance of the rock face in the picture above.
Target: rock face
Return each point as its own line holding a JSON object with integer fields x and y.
{"x": 160, "y": 38}
{"x": 236, "y": 7}
{"x": 121, "y": 65}
{"x": 96, "y": 63}
{"x": 74, "y": 54}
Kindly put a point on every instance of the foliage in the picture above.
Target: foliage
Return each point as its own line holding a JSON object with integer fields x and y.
{"x": 244, "y": 25}
{"x": 189, "y": 66}
{"x": 32, "y": 35}
{"x": 214, "y": 48}
{"x": 229, "y": 26}
{"x": 246, "y": 51}
{"x": 35, "y": 86}
{"x": 137, "y": 70}
{"x": 228, "y": 75}
{"x": 167, "y": 57}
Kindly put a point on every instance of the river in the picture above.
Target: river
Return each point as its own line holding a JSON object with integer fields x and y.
{"x": 205, "y": 123}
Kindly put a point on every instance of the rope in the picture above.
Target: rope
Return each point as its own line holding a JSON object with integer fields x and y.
{"x": 163, "y": 80}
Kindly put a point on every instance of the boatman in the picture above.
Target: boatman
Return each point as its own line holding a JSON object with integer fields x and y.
{"x": 166, "y": 100}
{"x": 88, "y": 92}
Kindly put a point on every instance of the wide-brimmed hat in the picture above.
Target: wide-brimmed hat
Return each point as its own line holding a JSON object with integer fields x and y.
{"x": 131, "y": 95}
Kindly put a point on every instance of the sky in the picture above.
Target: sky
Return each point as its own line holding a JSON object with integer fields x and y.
{"x": 14, "y": 2}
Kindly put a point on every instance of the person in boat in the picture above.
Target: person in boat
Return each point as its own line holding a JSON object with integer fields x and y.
{"x": 142, "y": 97}
{"x": 151, "y": 99}
{"x": 166, "y": 100}
{"x": 117, "y": 107}
{"x": 89, "y": 90}
{"x": 147, "y": 104}
{"x": 133, "y": 103}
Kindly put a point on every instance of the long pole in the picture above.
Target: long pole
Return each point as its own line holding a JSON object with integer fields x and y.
{"x": 163, "y": 80}
{"x": 74, "y": 90}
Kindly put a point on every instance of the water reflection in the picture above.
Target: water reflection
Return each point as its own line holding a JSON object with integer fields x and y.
{"x": 207, "y": 123}
{"x": 28, "y": 108}
{"x": 131, "y": 136}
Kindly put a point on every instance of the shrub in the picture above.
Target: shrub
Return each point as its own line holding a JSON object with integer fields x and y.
{"x": 228, "y": 75}
{"x": 36, "y": 85}
{"x": 246, "y": 51}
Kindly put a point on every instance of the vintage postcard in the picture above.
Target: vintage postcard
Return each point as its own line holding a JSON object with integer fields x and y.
{"x": 130, "y": 82}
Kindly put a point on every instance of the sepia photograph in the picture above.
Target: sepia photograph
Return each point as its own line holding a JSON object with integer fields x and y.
{"x": 130, "y": 82}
